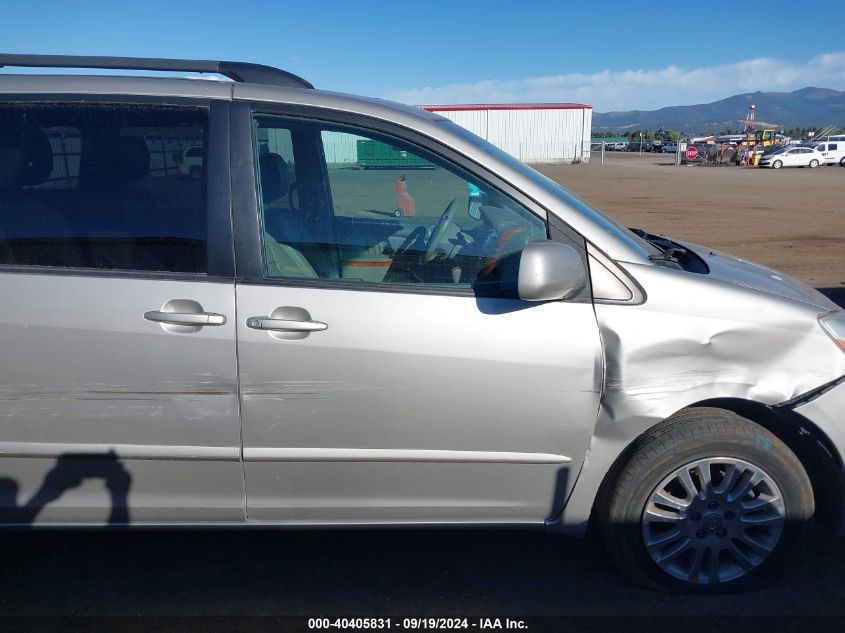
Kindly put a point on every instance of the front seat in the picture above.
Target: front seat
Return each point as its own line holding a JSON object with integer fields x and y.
{"x": 290, "y": 248}
{"x": 282, "y": 259}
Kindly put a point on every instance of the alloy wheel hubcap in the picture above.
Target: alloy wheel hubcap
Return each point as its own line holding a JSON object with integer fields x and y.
{"x": 713, "y": 520}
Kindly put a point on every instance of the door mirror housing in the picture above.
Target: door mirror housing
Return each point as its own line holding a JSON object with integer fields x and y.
{"x": 549, "y": 271}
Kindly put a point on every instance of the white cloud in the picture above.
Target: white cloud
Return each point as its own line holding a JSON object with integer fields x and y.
{"x": 643, "y": 89}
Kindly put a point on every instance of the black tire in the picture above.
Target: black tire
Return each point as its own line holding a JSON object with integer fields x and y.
{"x": 196, "y": 172}
{"x": 777, "y": 164}
{"x": 690, "y": 435}
{"x": 814, "y": 163}
{"x": 842, "y": 162}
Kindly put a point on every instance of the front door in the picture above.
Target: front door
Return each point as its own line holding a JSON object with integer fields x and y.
{"x": 387, "y": 370}
{"x": 118, "y": 381}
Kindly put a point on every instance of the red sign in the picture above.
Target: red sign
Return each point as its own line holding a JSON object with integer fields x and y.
{"x": 692, "y": 153}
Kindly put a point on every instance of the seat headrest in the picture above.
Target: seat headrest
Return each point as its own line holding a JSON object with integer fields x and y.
{"x": 275, "y": 178}
{"x": 26, "y": 156}
{"x": 131, "y": 161}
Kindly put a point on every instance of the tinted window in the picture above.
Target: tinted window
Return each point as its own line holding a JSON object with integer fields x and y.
{"x": 350, "y": 205}
{"x": 102, "y": 187}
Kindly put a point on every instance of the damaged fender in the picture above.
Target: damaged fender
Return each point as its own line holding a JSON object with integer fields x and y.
{"x": 694, "y": 338}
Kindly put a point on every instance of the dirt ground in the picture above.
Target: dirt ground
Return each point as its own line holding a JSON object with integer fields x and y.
{"x": 792, "y": 220}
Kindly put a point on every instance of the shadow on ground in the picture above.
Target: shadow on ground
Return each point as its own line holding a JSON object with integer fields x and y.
{"x": 389, "y": 573}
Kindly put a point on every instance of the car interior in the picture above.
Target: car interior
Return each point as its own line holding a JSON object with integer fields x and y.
{"x": 78, "y": 189}
{"x": 307, "y": 236}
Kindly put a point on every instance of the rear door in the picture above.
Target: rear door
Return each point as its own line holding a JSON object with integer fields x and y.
{"x": 387, "y": 371}
{"x": 118, "y": 399}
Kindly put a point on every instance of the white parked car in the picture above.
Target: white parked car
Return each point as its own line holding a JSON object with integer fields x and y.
{"x": 190, "y": 163}
{"x": 793, "y": 157}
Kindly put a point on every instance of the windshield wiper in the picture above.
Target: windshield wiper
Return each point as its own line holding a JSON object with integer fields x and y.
{"x": 672, "y": 254}
{"x": 669, "y": 251}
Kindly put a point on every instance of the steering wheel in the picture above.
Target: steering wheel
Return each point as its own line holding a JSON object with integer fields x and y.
{"x": 416, "y": 235}
{"x": 439, "y": 231}
{"x": 400, "y": 267}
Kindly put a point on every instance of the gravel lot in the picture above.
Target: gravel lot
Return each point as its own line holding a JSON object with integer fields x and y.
{"x": 792, "y": 220}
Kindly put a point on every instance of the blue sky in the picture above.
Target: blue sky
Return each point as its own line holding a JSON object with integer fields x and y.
{"x": 612, "y": 54}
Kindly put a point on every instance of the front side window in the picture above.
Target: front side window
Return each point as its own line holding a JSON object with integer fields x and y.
{"x": 103, "y": 186}
{"x": 350, "y": 205}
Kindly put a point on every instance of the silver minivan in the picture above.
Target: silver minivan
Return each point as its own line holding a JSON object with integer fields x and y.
{"x": 360, "y": 314}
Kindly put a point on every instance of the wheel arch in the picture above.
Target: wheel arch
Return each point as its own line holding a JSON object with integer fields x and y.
{"x": 811, "y": 445}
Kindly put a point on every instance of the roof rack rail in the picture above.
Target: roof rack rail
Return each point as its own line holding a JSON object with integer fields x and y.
{"x": 237, "y": 71}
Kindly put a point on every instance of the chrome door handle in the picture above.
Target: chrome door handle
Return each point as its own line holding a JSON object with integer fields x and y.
{"x": 284, "y": 325}
{"x": 185, "y": 318}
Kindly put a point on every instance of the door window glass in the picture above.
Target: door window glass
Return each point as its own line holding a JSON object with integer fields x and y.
{"x": 354, "y": 206}
{"x": 103, "y": 186}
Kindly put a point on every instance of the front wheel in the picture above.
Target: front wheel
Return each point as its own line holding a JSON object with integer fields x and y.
{"x": 708, "y": 502}
{"x": 814, "y": 163}
{"x": 777, "y": 164}
{"x": 842, "y": 162}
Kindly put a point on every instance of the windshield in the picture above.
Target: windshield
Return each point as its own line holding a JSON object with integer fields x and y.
{"x": 608, "y": 224}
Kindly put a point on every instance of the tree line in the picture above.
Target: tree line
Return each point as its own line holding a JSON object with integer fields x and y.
{"x": 671, "y": 135}
{"x": 648, "y": 135}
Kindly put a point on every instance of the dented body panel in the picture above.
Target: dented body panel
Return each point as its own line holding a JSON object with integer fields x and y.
{"x": 827, "y": 412}
{"x": 696, "y": 338}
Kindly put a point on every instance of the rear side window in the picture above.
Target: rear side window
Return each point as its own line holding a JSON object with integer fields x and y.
{"x": 103, "y": 186}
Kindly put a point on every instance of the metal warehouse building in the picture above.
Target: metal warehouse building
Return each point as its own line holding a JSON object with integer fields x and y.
{"x": 533, "y": 133}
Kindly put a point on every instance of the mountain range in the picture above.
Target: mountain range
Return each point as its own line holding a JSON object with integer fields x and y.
{"x": 807, "y": 107}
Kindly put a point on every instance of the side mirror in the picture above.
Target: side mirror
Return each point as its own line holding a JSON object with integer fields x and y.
{"x": 549, "y": 271}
